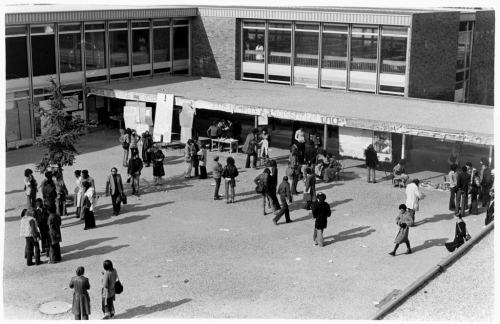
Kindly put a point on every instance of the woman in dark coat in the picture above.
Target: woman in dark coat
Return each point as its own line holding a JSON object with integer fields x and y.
{"x": 158, "y": 170}
{"x": 460, "y": 233}
{"x": 147, "y": 146}
{"x": 403, "y": 220}
{"x": 321, "y": 211}
{"x": 81, "y": 298}
{"x": 273, "y": 185}
{"x": 195, "y": 159}
{"x": 371, "y": 160}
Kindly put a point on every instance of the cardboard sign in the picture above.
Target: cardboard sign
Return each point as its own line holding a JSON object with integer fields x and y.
{"x": 163, "y": 117}
{"x": 354, "y": 141}
{"x": 263, "y": 120}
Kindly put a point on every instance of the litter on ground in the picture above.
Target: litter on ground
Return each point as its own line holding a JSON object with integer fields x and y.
{"x": 165, "y": 286}
{"x": 297, "y": 259}
{"x": 224, "y": 229}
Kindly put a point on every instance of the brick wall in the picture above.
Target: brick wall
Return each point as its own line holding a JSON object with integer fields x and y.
{"x": 215, "y": 47}
{"x": 433, "y": 56}
{"x": 483, "y": 56}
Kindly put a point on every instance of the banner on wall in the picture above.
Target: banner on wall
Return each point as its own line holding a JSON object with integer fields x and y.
{"x": 382, "y": 142}
{"x": 354, "y": 141}
{"x": 163, "y": 117}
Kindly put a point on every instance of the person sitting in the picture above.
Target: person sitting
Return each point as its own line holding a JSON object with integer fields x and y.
{"x": 321, "y": 163}
{"x": 399, "y": 174}
{"x": 333, "y": 168}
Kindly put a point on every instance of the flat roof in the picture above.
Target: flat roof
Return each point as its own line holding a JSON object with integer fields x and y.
{"x": 427, "y": 115}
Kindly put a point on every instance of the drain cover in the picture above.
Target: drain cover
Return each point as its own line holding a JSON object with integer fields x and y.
{"x": 55, "y": 307}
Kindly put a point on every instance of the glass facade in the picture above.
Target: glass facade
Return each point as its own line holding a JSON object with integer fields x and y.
{"x": 463, "y": 61}
{"x": 317, "y": 55}
{"x": 78, "y": 53}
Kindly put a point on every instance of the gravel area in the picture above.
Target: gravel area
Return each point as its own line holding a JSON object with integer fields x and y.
{"x": 177, "y": 260}
{"x": 462, "y": 293}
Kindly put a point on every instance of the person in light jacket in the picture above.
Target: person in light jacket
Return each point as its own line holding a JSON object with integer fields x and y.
{"x": 188, "y": 154}
{"x": 30, "y": 185}
{"x": 125, "y": 140}
{"x": 402, "y": 220}
{"x": 202, "y": 158}
{"x": 250, "y": 148}
{"x": 79, "y": 190}
{"x": 413, "y": 196}
{"x": 452, "y": 179}
{"x": 29, "y": 230}
{"x": 114, "y": 186}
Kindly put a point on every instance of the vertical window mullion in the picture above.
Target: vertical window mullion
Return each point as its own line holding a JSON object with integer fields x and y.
{"x": 320, "y": 53}
{"x": 348, "y": 63}
{"x": 379, "y": 60}
{"x": 266, "y": 50}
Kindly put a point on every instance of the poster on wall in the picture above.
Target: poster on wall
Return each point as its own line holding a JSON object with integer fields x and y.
{"x": 263, "y": 120}
{"x": 354, "y": 141}
{"x": 131, "y": 116}
{"x": 163, "y": 117}
{"x": 186, "y": 118}
{"x": 383, "y": 145}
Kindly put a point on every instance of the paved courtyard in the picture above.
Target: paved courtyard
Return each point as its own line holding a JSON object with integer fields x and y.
{"x": 180, "y": 254}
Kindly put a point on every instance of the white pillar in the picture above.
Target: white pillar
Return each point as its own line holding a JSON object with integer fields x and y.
{"x": 325, "y": 136}
{"x": 256, "y": 121}
{"x": 491, "y": 154}
{"x": 403, "y": 147}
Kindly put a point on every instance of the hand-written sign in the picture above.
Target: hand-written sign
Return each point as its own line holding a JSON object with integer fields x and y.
{"x": 163, "y": 117}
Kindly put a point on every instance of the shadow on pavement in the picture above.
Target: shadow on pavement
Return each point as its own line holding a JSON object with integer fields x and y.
{"x": 85, "y": 244}
{"x": 124, "y": 220}
{"x": 102, "y": 250}
{"x": 434, "y": 219}
{"x": 349, "y": 234}
{"x": 146, "y": 310}
{"x": 428, "y": 244}
{"x": 14, "y": 191}
{"x": 104, "y": 212}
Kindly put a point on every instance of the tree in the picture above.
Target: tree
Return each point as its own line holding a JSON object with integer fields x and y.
{"x": 60, "y": 130}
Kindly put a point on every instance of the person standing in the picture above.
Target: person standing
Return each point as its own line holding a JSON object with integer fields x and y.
{"x": 229, "y": 173}
{"x": 371, "y": 161}
{"x": 114, "y": 186}
{"x": 452, "y": 179}
{"x": 474, "y": 187}
{"x": 463, "y": 180}
{"x": 490, "y": 211}
{"x": 264, "y": 143}
{"x": 217, "y": 174}
{"x": 250, "y": 148}
{"x": 30, "y": 232}
{"x": 81, "y": 298}
{"x": 321, "y": 211}
{"x": 213, "y": 132}
{"x": 49, "y": 191}
{"x": 310, "y": 190}
{"x": 486, "y": 181}
{"x": 196, "y": 157}
{"x": 403, "y": 220}
{"x": 262, "y": 181}
{"x": 41, "y": 216}
{"x": 125, "y": 139}
{"x": 454, "y": 157}
{"x": 310, "y": 156}
{"x": 147, "y": 147}
{"x": 460, "y": 233}
{"x": 134, "y": 142}
{"x": 78, "y": 193}
{"x": 301, "y": 140}
{"x": 295, "y": 165}
{"x": 158, "y": 170}
{"x": 54, "y": 224}
{"x": 202, "y": 158}
{"x": 88, "y": 178}
{"x": 30, "y": 186}
{"x": 285, "y": 193}
{"x": 188, "y": 154}
{"x": 88, "y": 206}
{"x": 259, "y": 48}
{"x": 134, "y": 171}
{"x": 273, "y": 185}
{"x": 110, "y": 276}
{"x": 413, "y": 196}
{"x": 62, "y": 193}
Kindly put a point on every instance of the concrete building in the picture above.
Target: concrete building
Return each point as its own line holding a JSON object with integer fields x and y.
{"x": 105, "y": 55}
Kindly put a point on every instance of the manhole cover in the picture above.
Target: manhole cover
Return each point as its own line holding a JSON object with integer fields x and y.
{"x": 55, "y": 307}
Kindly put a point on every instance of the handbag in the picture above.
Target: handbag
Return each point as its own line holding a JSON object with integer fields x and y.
{"x": 260, "y": 188}
{"x": 289, "y": 171}
{"x": 125, "y": 145}
{"x": 118, "y": 287}
{"x": 124, "y": 199}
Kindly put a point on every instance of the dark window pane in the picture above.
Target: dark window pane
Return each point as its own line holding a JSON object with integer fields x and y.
{"x": 161, "y": 43}
{"x": 393, "y": 55}
{"x": 117, "y": 25}
{"x": 16, "y": 58}
{"x": 335, "y": 28}
{"x": 99, "y": 26}
{"x": 161, "y": 23}
{"x": 280, "y": 25}
{"x": 70, "y": 52}
{"x": 364, "y": 30}
{"x": 334, "y": 51}
{"x": 118, "y": 45}
{"x": 307, "y": 26}
{"x": 394, "y": 30}
{"x": 95, "y": 54}
{"x": 181, "y": 22}
{"x": 47, "y": 29}
{"x": 460, "y": 77}
{"x": 19, "y": 30}
{"x": 140, "y": 48}
{"x": 43, "y": 55}
{"x": 392, "y": 88}
{"x": 181, "y": 43}
{"x": 254, "y": 24}
{"x": 68, "y": 28}
{"x": 137, "y": 24}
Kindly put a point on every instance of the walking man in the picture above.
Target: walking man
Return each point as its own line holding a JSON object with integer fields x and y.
{"x": 134, "y": 171}
{"x": 217, "y": 174}
{"x": 321, "y": 211}
{"x": 114, "y": 185}
{"x": 413, "y": 196}
{"x": 262, "y": 180}
{"x": 285, "y": 193}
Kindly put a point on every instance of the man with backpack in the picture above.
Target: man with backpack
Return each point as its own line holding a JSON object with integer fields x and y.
{"x": 262, "y": 182}
{"x": 229, "y": 173}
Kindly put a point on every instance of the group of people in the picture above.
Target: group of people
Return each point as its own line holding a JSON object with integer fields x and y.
{"x": 110, "y": 284}
{"x": 225, "y": 129}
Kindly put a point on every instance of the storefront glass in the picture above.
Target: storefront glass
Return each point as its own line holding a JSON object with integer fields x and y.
{"x": 70, "y": 54}
{"x": 181, "y": 46}
{"x": 279, "y": 53}
{"x": 95, "y": 52}
{"x": 306, "y": 58}
{"x": 118, "y": 50}
{"x": 393, "y": 60}
{"x": 43, "y": 55}
{"x": 161, "y": 46}
{"x": 363, "y": 62}
{"x": 254, "y": 51}
{"x": 334, "y": 56}
{"x": 141, "y": 64}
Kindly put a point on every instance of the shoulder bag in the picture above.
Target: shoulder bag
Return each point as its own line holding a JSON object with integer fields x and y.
{"x": 118, "y": 287}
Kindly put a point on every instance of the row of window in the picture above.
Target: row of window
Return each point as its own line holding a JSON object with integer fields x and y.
{"x": 84, "y": 52}
{"x": 341, "y": 56}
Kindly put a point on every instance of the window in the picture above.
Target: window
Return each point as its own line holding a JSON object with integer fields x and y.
{"x": 363, "y": 61}
{"x": 118, "y": 50}
{"x": 43, "y": 54}
{"x": 141, "y": 64}
{"x": 181, "y": 46}
{"x": 95, "y": 52}
{"x": 70, "y": 54}
{"x": 306, "y": 55}
{"x": 161, "y": 46}
{"x": 279, "y": 53}
{"x": 393, "y": 60}
{"x": 465, "y": 35}
{"x": 334, "y": 56}
{"x": 254, "y": 53}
